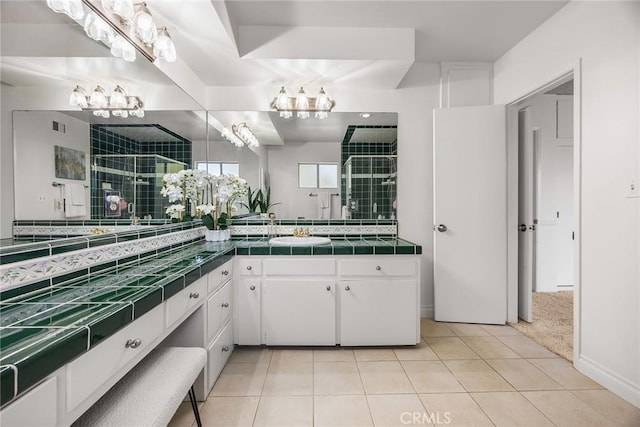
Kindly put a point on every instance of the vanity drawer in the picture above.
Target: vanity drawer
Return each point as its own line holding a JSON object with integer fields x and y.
{"x": 183, "y": 301}
{"x": 39, "y": 407}
{"x": 219, "y": 352}
{"x": 91, "y": 370}
{"x": 249, "y": 266}
{"x": 219, "y": 276}
{"x": 219, "y": 309}
{"x": 378, "y": 266}
{"x": 299, "y": 267}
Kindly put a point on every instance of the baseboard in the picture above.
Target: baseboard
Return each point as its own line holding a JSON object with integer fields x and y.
{"x": 615, "y": 383}
{"x": 426, "y": 311}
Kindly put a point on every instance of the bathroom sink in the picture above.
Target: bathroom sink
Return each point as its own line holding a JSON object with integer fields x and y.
{"x": 299, "y": 241}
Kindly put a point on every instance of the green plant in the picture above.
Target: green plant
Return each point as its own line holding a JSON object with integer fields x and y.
{"x": 265, "y": 201}
{"x": 253, "y": 199}
{"x": 223, "y": 221}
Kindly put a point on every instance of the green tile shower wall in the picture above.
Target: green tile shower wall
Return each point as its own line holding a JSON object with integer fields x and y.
{"x": 104, "y": 141}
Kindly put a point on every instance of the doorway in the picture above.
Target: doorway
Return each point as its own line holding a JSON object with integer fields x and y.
{"x": 546, "y": 217}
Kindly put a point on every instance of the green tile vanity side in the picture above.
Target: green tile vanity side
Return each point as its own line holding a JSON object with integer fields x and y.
{"x": 173, "y": 287}
{"x": 69, "y": 276}
{"x": 363, "y": 250}
{"x": 282, "y": 250}
{"x": 107, "y": 326}
{"x": 7, "y": 384}
{"x": 298, "y": 250}
{"x": 405, "y": 250}
{"x": 418, "y": 250}
{"x": 383, "y": 250}
{"x": 21, "y": 290}
{"x": 322, "y": 250}
{"x": 9, "y": 258}
{"x": 259, "y": 250}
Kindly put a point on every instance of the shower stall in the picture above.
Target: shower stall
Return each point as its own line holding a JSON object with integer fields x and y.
{"x": 126, "y": 185}
{"x": 371, "y": 186}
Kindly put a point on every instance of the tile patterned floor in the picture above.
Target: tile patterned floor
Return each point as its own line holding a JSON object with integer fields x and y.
{"x": 459, "y": 375}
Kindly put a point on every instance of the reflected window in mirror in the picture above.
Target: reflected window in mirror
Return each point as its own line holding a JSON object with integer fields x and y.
{"x": 318, "y": 175}
{"x": 218, "y": 168}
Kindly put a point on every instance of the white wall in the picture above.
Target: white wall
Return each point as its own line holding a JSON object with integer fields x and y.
{"x": 604, "y": 36}
{"x": 554, "y": 249}
{"x": 34, "y": 142}
{"x": 283, "y": 175}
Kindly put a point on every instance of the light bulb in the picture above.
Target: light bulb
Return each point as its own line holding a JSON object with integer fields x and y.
{"x": 72, "y": 8}
{"x": 122, "y": 8}
{"x": 321, "y": 115}
{"x": 164, "y": 48}
{"x": 137, "y": 113}
{"x": 286, "y": 114}
{"x": 121, "y": 48}
{"x": 322, "y": 101}
{"x": 143, "y": 26}
{"x": 98, "y": 98}
{"x": 282, "y": 102}
{"x": 78, "y": 98}
{"x": 118, "y": 98}
{"x": 97, "y": 29}
{"x": 303, "y": 115}
{"x": 302, "y": 102}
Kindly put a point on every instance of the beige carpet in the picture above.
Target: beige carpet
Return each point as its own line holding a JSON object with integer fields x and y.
{"x": 552, "y": 324}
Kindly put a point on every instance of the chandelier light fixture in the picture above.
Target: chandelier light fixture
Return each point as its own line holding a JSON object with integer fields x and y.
{"x": 118, "y": 103}
{"x": 240, "y": 135}
{"x": 302, "y": 105}
{"x": 124, "y": 26}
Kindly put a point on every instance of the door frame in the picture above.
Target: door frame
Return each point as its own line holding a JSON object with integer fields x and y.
{"x": 575, "y": 72}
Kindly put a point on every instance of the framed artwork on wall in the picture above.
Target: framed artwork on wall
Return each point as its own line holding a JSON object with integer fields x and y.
{"x": 70, "y": 163}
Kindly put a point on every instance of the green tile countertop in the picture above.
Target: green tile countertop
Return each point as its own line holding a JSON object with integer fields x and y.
{"x": 42, "y": 330}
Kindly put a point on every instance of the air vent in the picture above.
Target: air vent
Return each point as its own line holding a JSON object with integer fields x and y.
{"x": 58, "y": 127}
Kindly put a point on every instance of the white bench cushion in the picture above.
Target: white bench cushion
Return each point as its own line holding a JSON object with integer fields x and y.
{"x": 150, "y": 394}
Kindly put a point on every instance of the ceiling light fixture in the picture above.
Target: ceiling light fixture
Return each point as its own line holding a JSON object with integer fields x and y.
{"x": 121, "y": 25}
{"x": 243, "y": 132}
{"x": 232, "y": 138}
{"x": 302, "y": 105}
{"x": 118, "y": 103}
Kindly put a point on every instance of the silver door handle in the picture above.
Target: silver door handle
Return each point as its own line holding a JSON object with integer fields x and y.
{"x": 328, "y": 287}
{"x": 225, "y": 305}
{"x": 133, "y": 343}
{"x": 378, "y": 268}
{"x": 346, "y": 288}
{"x": 249, "y": 267}
{"x": 224, "y": 273}
{"x": 253, "y": 288}
{"x": 532, "y": 227}
{"x": 194, "y": 295}
{"x": 442, "y": 228}
{"x": 523, "y": 227}
{"x": 225, "y": 348}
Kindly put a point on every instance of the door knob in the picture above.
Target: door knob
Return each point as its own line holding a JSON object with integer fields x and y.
{"x": 253, "y": 288}
{"x": 442, "y": 228}
{"x": 523, "y": 227}
{"x": 328, "y": 287}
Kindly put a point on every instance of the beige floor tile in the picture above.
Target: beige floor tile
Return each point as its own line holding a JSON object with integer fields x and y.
{"x": 183, "y": 417}
{"x": 501, "y": 330}
{"x": 338, "y": 411}
{"x": 431, "y": 377}
{"x": 284, "y": 411}
{"x": 510, "y": 410}
{"x": 526, "y": 347}
{"x": 490, "y": 348}
{"x": 565, "y": 409}
{"x": 229, "y": 411}
{"x": 331, "y": 378}
{"x": 611, "y": 406}
{"x": 564, "y": 373}
{"x": 431, "y": 328}
{"x": 384, "y": 377}
{"x": 332, "y": 354}
{"x": 289, "y": 379}
{"x": 421, "y": 351}
{"x": 523, "y": 375}
{"x": 292, "y": 355}
{"x": 374, "y": 354}
{"x": 391, "y": 410}
{"x": 240, "y": 379}
{"x": 476, "y": 375}
{"x": 450, "y": 348}
{"x": 467, "y": 330}
{"x": 250, "y": 355}
{"x": 454, "y": 410}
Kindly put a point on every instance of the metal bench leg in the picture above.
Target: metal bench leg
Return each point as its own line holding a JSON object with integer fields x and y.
{"x": 194, "y": 405}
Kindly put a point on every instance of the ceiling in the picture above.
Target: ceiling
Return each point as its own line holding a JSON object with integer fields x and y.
{"x": 238, "y": 43}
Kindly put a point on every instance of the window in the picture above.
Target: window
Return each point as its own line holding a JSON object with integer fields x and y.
{"x": 317, "y": 175}
{"x": 216, "y": 168}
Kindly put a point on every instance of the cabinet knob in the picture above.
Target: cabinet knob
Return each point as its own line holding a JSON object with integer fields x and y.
{"x": 378, "y": 268}
{"x": 133, "y": 343}
{"x": 225, "y": 304}
{"x": 194, "y": 295}
{"x": 253, "y": 288}
{"x": 225, "y": 348}
{"x": 225, "y": 273}
{"x": 249, "y": 267}
{"x": 328, "y": 287}
{"x": 346, "y": 288}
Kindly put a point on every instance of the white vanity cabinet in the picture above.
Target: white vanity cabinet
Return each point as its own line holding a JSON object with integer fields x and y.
{"x": 379, "y": 301}
{"x": 247, "y": 295}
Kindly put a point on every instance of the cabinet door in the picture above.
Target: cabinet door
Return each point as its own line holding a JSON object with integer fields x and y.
{"x": 247, "y": 312}
{"x": 299, "y": 312}
{"x": 219, "y": 309}
{"x": 378, "y": 312}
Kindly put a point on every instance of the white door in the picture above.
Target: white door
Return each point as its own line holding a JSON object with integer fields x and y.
{"x": 526, "y": 223}
{"x": 470, "y": 214}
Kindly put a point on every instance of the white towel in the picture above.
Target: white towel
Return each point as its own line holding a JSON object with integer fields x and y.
{"x": 324, "y": 205}
{"x": 75, "y": 204}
